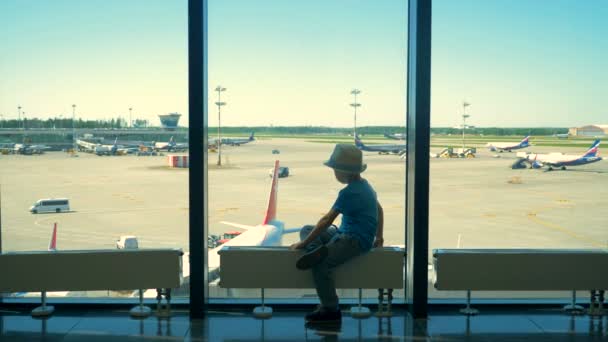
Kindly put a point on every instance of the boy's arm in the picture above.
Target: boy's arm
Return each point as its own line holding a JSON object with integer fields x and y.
{"x": 321, "y": 226}
{"x": 380, "y": 229}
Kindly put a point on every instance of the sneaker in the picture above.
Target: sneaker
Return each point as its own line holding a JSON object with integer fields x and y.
{"x": 323, "y": 316}
{"x": 312, "y": 258}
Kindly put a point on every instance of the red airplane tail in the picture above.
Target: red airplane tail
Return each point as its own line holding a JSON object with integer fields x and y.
{"x": 53, "y": 243}
{"x": 271, "y": 211}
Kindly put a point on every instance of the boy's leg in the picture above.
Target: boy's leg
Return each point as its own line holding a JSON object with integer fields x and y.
{"x": 340, "y": 250}
{"x": 322, "y": 239}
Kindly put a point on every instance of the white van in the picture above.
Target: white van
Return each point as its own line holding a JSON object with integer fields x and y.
{"x": 50, "y": 205}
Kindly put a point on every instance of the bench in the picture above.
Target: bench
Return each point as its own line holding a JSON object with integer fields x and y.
{"x": 274, "y": 268}
{"x": 521, "y": 270}
{"x": 92, "y": 270}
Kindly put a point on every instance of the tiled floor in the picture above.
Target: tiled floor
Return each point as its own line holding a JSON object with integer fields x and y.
{"x": 520, "y": 324}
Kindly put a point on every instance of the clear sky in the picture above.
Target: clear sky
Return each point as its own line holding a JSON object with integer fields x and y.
{"x": 518, "y": 62}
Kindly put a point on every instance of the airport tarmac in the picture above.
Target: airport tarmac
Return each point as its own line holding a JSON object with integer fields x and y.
{"x": 474, "y": 203}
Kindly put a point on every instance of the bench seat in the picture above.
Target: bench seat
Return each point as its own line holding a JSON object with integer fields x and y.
{"x": 90, "y": 270}
{"x": 520, "y": 269}
{"x": 274, "y": 268}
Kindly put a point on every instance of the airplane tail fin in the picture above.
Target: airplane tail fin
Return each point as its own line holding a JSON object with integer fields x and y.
{"x": 251, "y": 137}
{"x": 593, "y": 150}
{"x": 53, "y": 242}
{"x": 271, "y": 211}
{"x": 358, "y": 142}
{"x": 525, "y": 141}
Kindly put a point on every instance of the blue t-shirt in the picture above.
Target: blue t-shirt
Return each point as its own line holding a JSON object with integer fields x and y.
{"x": 358, "y": 205}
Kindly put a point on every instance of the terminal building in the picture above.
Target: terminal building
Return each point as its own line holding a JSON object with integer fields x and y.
{"x": 589, "y": 131}
{"x": 169, "y": 121}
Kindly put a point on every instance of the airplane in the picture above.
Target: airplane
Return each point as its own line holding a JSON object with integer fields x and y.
{"x": 101, "y": 149}
{"x": 561, "y": 135}
{"x": 237, "y": 141}
{"x": 109, "y": 150}
{"x": 212, "y": 142}
{"x": 396, "y": 136}
{"x": 508, "y": 146}
{"x": 170, "y": 146}
{"x": 86, "y": 146}
{"x": 269, "y": 233}
{"x": 560, "y": 160}
{"x": 28, "y": 149}
{"x": 381, "y": 149}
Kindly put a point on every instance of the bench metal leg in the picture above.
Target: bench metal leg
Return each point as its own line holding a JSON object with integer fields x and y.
{"x": 360, "y": 311}
{"x": 140, "y": 311}
{"x": 469, "y": 311}
{"x": 384, "y": 308}
{"x": 596, "y": 305}
{"x": 163, "y": 310}
{"x": 43, "y": 310}
{"x": 574, "y": 309}
{"x": 263, "y": 311}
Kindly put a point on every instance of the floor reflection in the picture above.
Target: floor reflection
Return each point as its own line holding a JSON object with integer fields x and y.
{"x": 491, "y": 325}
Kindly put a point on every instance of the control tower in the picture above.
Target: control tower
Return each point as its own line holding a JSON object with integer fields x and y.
{"x": 169, "y": 121}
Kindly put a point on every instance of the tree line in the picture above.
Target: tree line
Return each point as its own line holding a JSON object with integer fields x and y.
{"x": 54, "y": 123}
{"x": 120, "y": 123}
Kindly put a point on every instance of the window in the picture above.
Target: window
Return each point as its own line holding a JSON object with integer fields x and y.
{"x": 284, "y": 73}
{"x": 93, "y": 103}
{"x": 511, "y": 79}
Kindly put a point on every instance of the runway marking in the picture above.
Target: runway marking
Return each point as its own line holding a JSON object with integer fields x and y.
{"x": 40, "y": 222}
{"x": 534, "y": 218}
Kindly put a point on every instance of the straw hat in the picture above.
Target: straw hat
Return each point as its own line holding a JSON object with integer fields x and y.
{"x": 346, "y": 158}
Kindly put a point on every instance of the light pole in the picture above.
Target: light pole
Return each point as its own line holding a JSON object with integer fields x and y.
{"x": 130, "y": 125}
{"x": 19, "y": 117}
{"x": 464, "y": 121}
{"x": 74, "y": 127}
{"x": 219, "y": 104}
{"x": 355, "y": 104}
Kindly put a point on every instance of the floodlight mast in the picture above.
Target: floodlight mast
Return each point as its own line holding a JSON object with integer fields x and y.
{"x": 219, "y": 104}
{"x": 465, "y": 104}
{"x": 19, "y": 117}
{"x": 355, "y": 104}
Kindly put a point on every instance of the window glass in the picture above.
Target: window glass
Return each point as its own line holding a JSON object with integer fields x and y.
{"x": 284, "y": 74}
{"x": 519, "y": 85}
{"x": 87, "y": 92}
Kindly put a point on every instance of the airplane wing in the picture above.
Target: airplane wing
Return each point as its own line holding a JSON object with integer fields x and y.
{"x": 292, "y": 230}
{"x": 237, "y": 225}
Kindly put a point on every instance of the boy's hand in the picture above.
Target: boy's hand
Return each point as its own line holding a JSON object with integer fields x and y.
{"x": 379, "y": 242}
{"x": 297, "y": 245}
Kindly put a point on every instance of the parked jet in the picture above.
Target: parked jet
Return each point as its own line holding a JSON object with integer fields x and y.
{"x": 508, "y": 146}
{"x": 269, "y": 233}
{"x": 86, "y": 146}
{"x": 29, "y": 149}
{"x": 561, "y": 135}
{"x": 560, "y": 160}
{"x": 237, "y": 141}
{"x": 396, "y": 136}
{"x": 110, "y": 150}
{"x": 170, "y": 146}
{"x": 381, "y": 149}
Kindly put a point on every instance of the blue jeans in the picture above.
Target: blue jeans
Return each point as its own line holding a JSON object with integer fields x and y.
{"x": 341, "y": 248}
